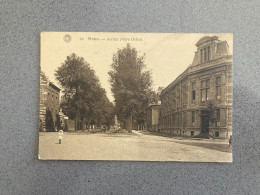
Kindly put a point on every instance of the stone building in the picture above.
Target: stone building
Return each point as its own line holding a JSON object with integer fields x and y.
{"x": 49, "y": 101}
{"x": 185, "y": 102}
{"x": 152, "y": 117}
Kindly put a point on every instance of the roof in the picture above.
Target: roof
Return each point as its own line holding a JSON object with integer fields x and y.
{"x": 222, "y": 48}
{"x": 54, "y": 86}
{"x": 206, "y": 39}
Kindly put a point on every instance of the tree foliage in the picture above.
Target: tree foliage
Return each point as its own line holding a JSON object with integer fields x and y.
{"x": 211, "y": 109}
{"x": 58, "y": 122}
{"x": 82, "y": 92}
{"x": 131, "y": 85}
{"x": 43, "y": 76}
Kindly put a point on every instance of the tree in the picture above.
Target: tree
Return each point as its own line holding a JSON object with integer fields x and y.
{"x": 211, "y": 109}
{"x": 58, "y": 123}
{"x": 43, "y": 76}
{"x": 131, "y": 85}
{"x": 104, "y": 111}
{"x": 81, "y": 88}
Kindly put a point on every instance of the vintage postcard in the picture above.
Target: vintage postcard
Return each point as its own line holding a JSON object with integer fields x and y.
{"x": 136, "y": 96}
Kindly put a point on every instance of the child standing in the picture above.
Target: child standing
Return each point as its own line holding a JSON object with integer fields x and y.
{"x": 60, "y": 136}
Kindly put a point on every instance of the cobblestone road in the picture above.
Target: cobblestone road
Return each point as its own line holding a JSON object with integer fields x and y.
{"x": 143, "y": 146}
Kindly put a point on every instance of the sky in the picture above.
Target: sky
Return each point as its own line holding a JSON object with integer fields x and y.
{"x": 167, "y": 54}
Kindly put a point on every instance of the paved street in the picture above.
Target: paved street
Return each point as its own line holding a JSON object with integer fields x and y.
{"x": 143, "y": 146}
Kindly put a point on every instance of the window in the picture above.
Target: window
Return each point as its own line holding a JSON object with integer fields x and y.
{"x": 208, "y": 53}
{"x": 205, "y": 55}
{"x": 217, "y": 117}
{"x": 207, "y": 83}
{"x": 180, "y": 120}
{"x": 184, "y": 119}
{"x": 201, "y": 56}
{"x": 202, "y": 87}
{"x": 184, "y": 95}
{"x": 192, "y": 117}
{"x": 193, "y": 96}
{"x": 192, "y": 133}
{"x": 218, "y": 88}
{"x": 173, "y": 101}
{"x": 218, "y": 114}
{"x": 217, "y": 134}
{"x": 193, "y": 93}
{"x": 205, "y": 87}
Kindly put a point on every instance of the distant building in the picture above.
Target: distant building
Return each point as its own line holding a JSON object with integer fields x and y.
{"x": 49, "y": 101}
{"x": 152, "y": 117}
{"x": 208, "y": 79}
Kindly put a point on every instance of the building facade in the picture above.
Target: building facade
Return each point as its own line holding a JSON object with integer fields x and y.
{"x": 187, "y": 103}
{"x": 49, "y": 104}
{"x": 152, "y": 117}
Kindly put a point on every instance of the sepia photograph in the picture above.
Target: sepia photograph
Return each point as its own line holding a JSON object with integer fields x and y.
{"x": 136, "y": 96}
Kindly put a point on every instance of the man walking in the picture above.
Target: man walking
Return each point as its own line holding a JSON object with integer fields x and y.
{"x": 230, "y": 141}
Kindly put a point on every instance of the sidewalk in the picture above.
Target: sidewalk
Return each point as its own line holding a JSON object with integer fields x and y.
{"x": 216, "y": 145}
{"x": 178, "y": 137}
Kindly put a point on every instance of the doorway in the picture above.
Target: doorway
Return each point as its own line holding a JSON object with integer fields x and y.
{"x": 204, "y": 122}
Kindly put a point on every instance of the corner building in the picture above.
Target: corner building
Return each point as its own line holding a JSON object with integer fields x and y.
{"x": 49, "y": 100}
{"x": 184, "y": 103}
{"x": 152, "y": 117}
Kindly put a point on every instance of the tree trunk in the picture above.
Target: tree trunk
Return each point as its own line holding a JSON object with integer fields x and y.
{"x": 129, "y": 124}
{"x": 75, "y": 123}
{"x": 84, "y": 124}
{"x": 87, "y": 125}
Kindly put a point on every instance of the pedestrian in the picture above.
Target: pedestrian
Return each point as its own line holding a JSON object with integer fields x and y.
{"x": 230, "y": 141}
{"x": 60, "y": 136}
{"x": 103, "y": 128}
{"x": 213, "y": 137}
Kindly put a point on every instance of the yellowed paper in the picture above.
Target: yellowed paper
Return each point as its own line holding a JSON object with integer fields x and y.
{"x": 136, "y": 96}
